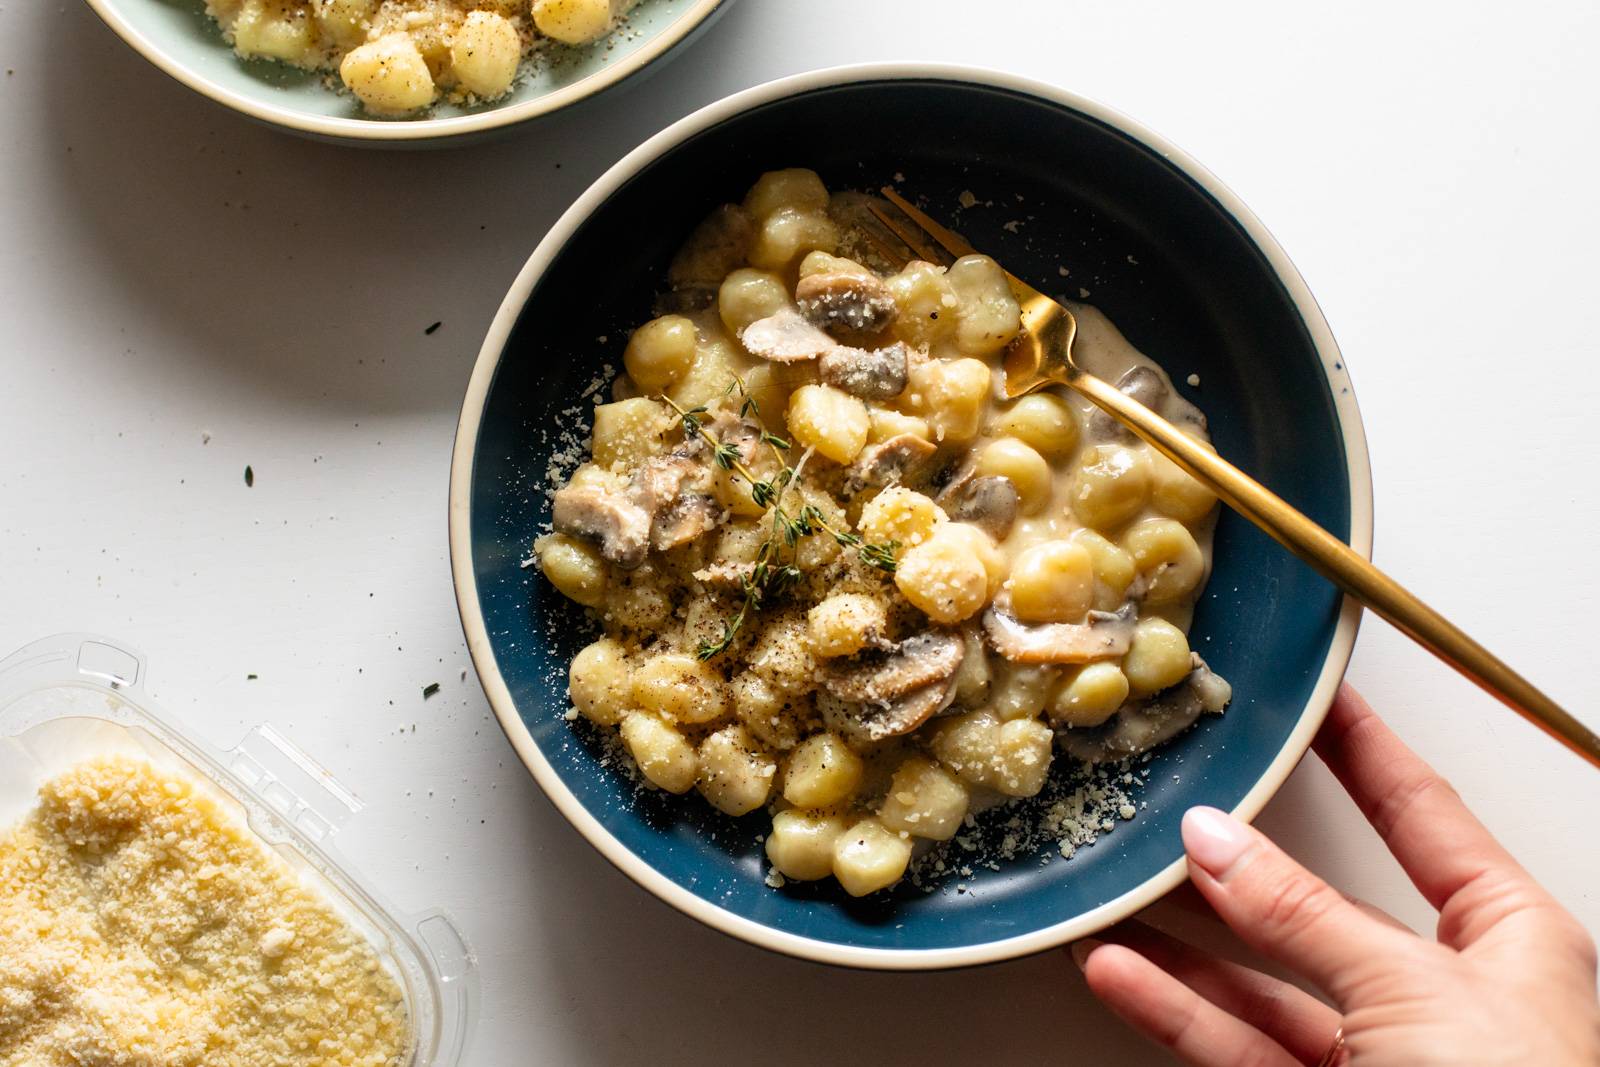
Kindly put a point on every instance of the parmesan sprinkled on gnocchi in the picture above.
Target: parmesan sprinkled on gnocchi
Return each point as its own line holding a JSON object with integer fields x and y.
{"x": 840, "y": 579}
{"x": 398, "y": 57}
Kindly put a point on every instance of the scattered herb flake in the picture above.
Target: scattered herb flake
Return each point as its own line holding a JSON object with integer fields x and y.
{"x": 429, "y": 689}
{"x": 251, "y": 677}
{"x": 432, "y": 328}
{"x": 249, "y": 476}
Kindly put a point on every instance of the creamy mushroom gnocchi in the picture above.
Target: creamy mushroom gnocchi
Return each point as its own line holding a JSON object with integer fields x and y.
{"x": 840, "y": 578}
{"x": 400, "y": 56}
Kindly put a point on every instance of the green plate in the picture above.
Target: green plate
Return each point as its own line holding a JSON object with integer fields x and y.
{"x": 178, "y": 37}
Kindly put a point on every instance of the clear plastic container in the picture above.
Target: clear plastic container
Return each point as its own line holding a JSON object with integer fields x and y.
{"x": 73, "y": 697}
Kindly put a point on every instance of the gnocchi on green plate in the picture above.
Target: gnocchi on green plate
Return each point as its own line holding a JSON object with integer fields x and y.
{"x": 398, "y": 57}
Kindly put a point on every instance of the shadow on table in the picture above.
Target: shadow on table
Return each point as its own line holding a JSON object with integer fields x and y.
{"x": 640, "y": 980}
{"x": 308, "y": 271}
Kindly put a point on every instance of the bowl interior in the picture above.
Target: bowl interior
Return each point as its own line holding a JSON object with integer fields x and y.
{"x": 180, "y": 31}
{"x": 1055, "y": 189}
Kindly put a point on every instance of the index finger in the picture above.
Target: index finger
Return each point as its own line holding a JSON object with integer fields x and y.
{"x": 1442, "y": 846}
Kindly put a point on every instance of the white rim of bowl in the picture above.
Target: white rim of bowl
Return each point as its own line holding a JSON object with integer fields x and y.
{"x": 403, "y": 130}
{"x": 1158, "y": 885}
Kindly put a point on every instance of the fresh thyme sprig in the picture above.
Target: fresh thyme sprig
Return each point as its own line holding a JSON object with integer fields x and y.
{"x": 775, "y": 568}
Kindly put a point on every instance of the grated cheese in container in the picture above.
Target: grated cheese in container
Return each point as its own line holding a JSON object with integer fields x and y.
{"x": 81, "y": 743}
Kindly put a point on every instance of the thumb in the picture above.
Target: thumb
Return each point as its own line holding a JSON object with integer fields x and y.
{"x": 1283, "y": 910}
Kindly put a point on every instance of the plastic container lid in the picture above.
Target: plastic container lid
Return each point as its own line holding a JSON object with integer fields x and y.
{"x": 73, "y": 697}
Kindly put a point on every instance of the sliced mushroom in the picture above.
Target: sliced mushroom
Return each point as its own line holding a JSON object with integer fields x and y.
{"x": 846, "y": 303}
{"x": 870, "y": 373}
{"x": 1212, "y": 688}
{"x": 659, "y": 481}
{"x": 901, "y": 459}
{"x": 1139, "y": 727}
{"x": 714, "y": 248}
{"x": 1106, "y": 635}
{"x": 676, "y": 515}
{"x": 655, "y": 500}
{"x": 844, "y": 718}
{"x": 861, "y": 724}
{"x": 743, "y": 434}
{"x": 889, "y": 692}
{"x": 785, "y": 337}
{"x": 904, "y": 714}
{"x": 683, "y": 520}
{"x": 989, "y": 502}
{"x": 1137, "y": 383}
{"x": 882, "y": 675}
{"x": 620, "y": 527}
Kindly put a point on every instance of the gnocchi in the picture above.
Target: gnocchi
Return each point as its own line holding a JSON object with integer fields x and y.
{"x": 796, "y": 188}
{"x": 901, "y": 515}
{"x": 1052, "y": 582}
{"x": 943, "y": 579}
{"x": 1043, "y": 421}
{"x": 1023, "y": 467}
{"x": 845, "y": 623}
{"x": 1110, "y": 486}
{"x": 869, "y": 857}
{"x": 400, "y": 57}
{"x": 664, "y": 756}
{"x": 660, "y": 352}
{"x": 800, "y": 845}
{"x": 840, "y": 579}
{"x": 736, "y": 772}
{"x": 598, "y": 681}
{"x": 485, "y": 54}
{"x": 681, "y": 688}
{"x": 1089, "y": 695}
{"x": 832, "y": 422}
{"x": 821, "y": 771}
{"x": 924, "y": 800}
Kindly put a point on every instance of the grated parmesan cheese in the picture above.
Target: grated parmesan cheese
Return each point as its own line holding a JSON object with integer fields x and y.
{"x": 142, "y": 926}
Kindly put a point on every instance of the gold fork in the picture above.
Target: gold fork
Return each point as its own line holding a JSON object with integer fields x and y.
{"x": 1042, "y": 355}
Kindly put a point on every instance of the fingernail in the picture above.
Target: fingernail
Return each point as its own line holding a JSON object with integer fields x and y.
{"x": 1215, "y": 840}
{"x": 1081, "y": 950}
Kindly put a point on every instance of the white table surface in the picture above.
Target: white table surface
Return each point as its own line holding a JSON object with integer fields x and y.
{"x": 169, "y": 271}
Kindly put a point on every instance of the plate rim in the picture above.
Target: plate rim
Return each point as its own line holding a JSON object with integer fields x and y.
{"x": 1346, "y": 410}
{"x": 403, "y": 131}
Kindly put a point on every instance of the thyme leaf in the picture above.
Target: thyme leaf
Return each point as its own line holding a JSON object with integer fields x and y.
{"x": 776, "y": 569}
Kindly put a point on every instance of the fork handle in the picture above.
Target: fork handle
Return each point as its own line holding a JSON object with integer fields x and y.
{"x": 1343, "y": 566}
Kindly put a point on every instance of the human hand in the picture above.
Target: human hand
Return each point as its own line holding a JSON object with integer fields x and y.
{"x": 1510, "y": 980}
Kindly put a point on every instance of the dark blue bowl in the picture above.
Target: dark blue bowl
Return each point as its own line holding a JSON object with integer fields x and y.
{"x": 1176, "y": 261}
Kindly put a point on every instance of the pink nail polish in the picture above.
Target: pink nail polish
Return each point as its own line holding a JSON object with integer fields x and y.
{"x": 1215, "y": 840}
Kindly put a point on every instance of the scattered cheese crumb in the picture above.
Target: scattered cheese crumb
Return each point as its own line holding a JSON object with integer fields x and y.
{"x": 1193, "y": 380}
{"x": 966, "y": 199}
{"x": 275, "y": 941}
